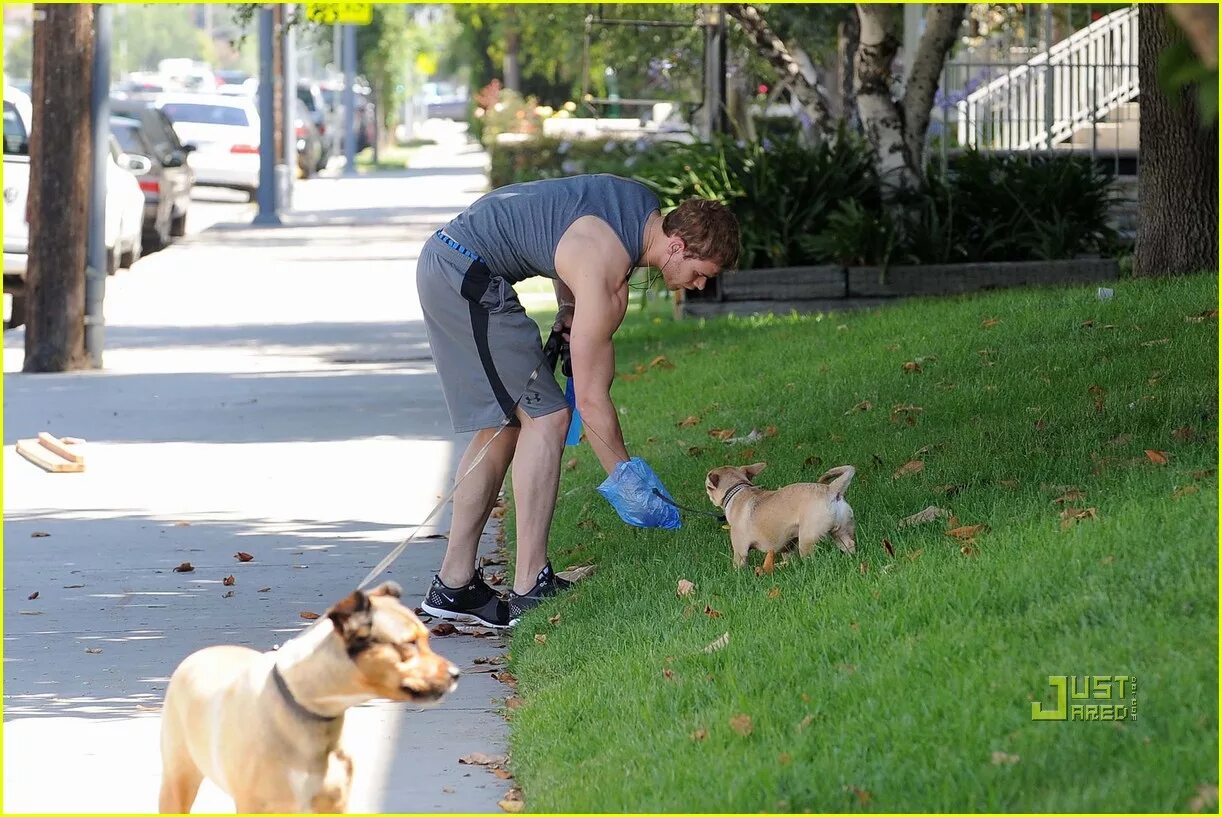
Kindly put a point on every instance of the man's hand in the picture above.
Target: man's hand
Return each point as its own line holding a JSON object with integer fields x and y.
{"x": 564, "y": 319}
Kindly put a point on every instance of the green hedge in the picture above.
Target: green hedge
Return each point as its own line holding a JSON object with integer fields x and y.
{"x": 802, "y": 205}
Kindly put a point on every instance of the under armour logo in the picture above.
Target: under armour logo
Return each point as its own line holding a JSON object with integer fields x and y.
{"x": 532, "y": 397}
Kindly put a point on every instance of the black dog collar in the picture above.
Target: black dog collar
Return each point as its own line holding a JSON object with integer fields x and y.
{"x": 730, "y": 494}
{"x": 295, "y": 704}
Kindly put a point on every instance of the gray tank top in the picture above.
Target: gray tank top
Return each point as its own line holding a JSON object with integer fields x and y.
{"x": 517, "y": 228}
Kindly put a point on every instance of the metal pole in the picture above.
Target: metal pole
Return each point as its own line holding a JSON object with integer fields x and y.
{"x": 288, "y": 49}
{"x": 96, "y": 266}
{"x": 266, "y": 195}
{"x": 1049, "y": 93}
{"x": 349, "y": 100}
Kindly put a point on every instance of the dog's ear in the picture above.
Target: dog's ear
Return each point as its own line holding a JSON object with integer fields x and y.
{"x": 754, "y": 468}
{"x": 714, "y": 478}
{"x": 839, "y": 479}
{"x": 350, "y": 614}
{"x": 388, "y": 589}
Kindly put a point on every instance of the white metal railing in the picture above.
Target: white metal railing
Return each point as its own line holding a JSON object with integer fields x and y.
{"x": 1075, "y": 83}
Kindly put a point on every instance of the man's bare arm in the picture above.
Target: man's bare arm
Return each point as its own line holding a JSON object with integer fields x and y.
{"x": 598, "y": 314}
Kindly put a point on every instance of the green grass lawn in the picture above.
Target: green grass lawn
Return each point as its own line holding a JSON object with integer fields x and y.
{"x": 888, "y": 683}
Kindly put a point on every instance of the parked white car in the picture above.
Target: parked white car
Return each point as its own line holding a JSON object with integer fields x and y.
{"x": 225, "y": 132}
{"x": 124, "y": 198}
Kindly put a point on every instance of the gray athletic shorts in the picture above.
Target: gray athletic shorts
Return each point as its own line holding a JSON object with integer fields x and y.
{"x": 484, "y": 344}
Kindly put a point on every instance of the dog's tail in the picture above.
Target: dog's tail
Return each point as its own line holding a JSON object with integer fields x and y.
{"x": 839, "y": 479}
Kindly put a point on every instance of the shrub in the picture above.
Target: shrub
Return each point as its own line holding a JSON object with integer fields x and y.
{"x": 801, "y": 205}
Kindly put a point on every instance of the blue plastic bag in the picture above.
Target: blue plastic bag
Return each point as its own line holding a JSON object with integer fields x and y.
{"x": 574, "y": 436}
{"x": 630, "y": 490}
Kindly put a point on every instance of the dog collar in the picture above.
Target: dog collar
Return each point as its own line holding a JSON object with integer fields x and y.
{"x": 295, "y": 704}
{"x": 730, "y": 494}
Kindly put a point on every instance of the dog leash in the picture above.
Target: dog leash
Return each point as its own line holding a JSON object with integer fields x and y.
{"x": 720, "y": 517}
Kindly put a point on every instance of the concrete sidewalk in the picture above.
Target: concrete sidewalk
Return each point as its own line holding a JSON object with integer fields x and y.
{"x": 268, "y": 391}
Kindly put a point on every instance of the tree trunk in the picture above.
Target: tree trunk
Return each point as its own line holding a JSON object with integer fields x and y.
{"x": 848, "y": 35}
{"x": 942, "y": 22}
{"x": 511, "y": 67}
{"x": 1177, "y": 199}
{"x": 61, "y": 156}
{"x": 278, "y": 89}
{"x": 806, "y": 89}
{"x": 881, "y": 117}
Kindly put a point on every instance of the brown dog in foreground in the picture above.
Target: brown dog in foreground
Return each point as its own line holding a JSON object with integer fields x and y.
{"x": 266, "y": 727}
{"x": 770, "y": 521}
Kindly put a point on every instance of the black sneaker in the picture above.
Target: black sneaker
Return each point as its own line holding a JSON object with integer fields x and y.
{"x": 547, "y": 584}
{"x": 473, "y": 601}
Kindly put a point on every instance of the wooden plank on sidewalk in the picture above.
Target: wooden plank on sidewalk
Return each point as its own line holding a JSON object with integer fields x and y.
{"x": 33, "y": 451}
{"x": 54, "y": 444}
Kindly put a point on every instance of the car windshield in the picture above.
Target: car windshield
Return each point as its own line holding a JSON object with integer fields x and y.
{"x": 204, "y": 114}
{"x": 14, "y": 130}
{"x": 129, "y": 139}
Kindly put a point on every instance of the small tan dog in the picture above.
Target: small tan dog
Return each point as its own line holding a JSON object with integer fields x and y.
{"x": 265, "y": 727}
{"x": 769, "y": 521}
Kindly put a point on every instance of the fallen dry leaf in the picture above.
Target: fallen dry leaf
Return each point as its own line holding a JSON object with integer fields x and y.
{"x": 774, "y": 592}
{"x": 948, "y": 490}
{"x": 574, "y": 574}
{"x": 1004, "y": 759}
{"x": 864, "y": 405}
{"x": 1157, "y": 457}
{"x": 511, "y": 806}
{"x": 770, "y": 431}
{"x": 769, "y": 562}
{"x": 911, "y": 367}
{"x": 812, "y": 462}
{"x": 1207, "y": 793}
{"x": 722, "y": 434}
{"x": 863, "y": 568}
{"x": 1203, "y": 473}
{"x": 443, "y": 629}
{"x": 307, "y": 615}
{"x": 910, "y": 467}
{"x": 662, "y": 362}
{"x": 1184, "y": 434}
{"x": 699, "y": 735}
{"x": 243, "y": 556}
{"x": 887, "y": 546}
{"x": 503, "y": 774}
{"x": 540, "y": 638}
{"x": 688, "y": 421}
{"x": 32, "y": 596}
{"x": 571, "y": 464}
{"x": 913, "y": 555}
{"x": 966, "y": 532}
{"x": 72, "y": 586}
{"x": 182, "y": 524}
{"x": 94, "y": 650}
{"x": 711, "y": 613}
{"x": 989, "y": 323}
{"x": 719, "y": 643}
{"x": 185, "y": 567}
{"x": 495, "y": 578}
{"x": 514, "y": 702}
{"x": 863, "y": 796}
{"x": 1185, "y": 490}
{"x": 668, "y": 673}
{"x": 228, "y": 581}
{"x": 263, "y": 590}
{"x": 685, "y": 588}
{"x": 498, "y": 512}
{"x": 228, "y": 594}
{"x": 553, "y": 619}
{"x": 921, "y": 517}
{"x": 1156, "y": 342}
{"x": 481, "y": 759}
{"x": 742, "y": 724}
{"x": 39, "y": 534}
{"x": 1072, "y": 515}
{"x": 968, "y": 550}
